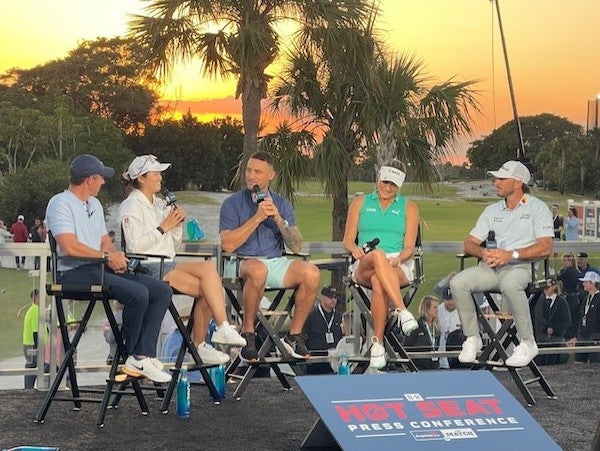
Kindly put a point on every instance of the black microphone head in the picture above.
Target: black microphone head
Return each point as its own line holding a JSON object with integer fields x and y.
{"x": 491, "y": 235}
{"x": 375, "y": 242}
{"x": 260, "y": 196}
{"x": 169, "y": 197}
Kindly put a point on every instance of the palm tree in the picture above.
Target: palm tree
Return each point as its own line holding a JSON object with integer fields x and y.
{"x": 233, "y": 38}
{"x": 323, "y": 86}
{"x": 414, "y": 122}
{"x": 346, "y": 88}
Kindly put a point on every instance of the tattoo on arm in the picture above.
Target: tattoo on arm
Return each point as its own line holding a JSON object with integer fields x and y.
{"x": 292, "y": 237}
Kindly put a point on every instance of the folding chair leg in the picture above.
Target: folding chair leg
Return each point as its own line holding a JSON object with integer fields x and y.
{"x": 187, "y": 345}
{"x": 69, "y": 348}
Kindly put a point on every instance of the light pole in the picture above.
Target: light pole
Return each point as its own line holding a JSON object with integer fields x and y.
{"x": 592, "y": 114}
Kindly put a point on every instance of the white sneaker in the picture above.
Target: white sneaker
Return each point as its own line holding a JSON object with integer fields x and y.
{"x": 406, "y": 320}
{"x": 523, "y": 354}
{"x": 157, "y": 363}
{"x": 145, "y": 367}
{"x": 378, "y": 360}
{"x": 210, "y": 355}
{"x": 226, "y": 334}
{"x": 470, "y": 348}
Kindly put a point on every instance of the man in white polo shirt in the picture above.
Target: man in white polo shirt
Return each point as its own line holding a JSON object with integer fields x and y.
{"x": 523, "y": 231}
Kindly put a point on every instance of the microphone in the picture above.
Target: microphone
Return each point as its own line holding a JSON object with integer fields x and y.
{"x": 169, "y": 197}
{"x": 370, "y": 245}
{"x": 490, "y": 242}
{"x": 260, "y": 196}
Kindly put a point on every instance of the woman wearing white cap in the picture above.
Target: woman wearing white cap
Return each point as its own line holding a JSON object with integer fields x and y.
{"x": 151, "y": 226}
{"x": 393, "y": 220}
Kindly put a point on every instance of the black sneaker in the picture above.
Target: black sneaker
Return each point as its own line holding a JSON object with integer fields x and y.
{"x": 296, "y": 346}
{"x": 248, "y": 353}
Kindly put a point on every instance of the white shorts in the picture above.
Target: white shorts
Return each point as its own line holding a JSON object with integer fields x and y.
{"x": 407, "y": 267}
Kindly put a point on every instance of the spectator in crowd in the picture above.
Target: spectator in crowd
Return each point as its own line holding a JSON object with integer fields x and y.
{"x": 426, "y": 336}
{"x": 569, "y": 277}
{"x": 256, "y": 223}
{"x": 450, "y": 331}
{"x": 551, "y": 320}
{"x": 4, "y": 236}
{"x": 30, "y": 336}
{"x": 558, "y": 221}
{"x": 36, "y": 237}
{"x": 588, "y": 331}
{"x": 323, "y": 328}
{"x": 150, "y": 226}
{"x": 583, "y": 265}
{"x": 523, "y": 230}
{"x": 393, "y": 220}
{"x": 20, "y": 234}
{"x": 76, "y": 219}
{"x": 571, "y": 225}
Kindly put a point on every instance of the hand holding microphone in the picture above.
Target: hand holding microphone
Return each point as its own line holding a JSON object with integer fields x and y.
{"x": 370, "y": 245}
{"x": 259, "y": 195}
{"x": 169, "y": 197}
{"x": 176, "y": 215}
{"x": 264, "y": 203}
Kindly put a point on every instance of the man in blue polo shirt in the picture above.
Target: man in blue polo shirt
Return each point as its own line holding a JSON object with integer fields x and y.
{"x": 256, "y": 222}
{"x": 523, "y": 231}
{"x": 75, "y": 218}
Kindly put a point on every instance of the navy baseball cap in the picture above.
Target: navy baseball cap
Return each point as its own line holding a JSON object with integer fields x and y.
{"x": 447, "y": 293}
{"x": 86, "y": 165}
{"x": 329, "y": 291}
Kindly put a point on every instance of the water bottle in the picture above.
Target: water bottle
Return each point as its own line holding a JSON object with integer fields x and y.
{"x": 193, "y": 230}
{"x": 183, "y": 395}
{"x": 344, "y": 368}
{"x": 490, "y": 241}
{"x": 217, "y": 375}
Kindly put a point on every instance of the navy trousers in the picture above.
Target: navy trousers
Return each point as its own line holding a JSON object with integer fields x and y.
{"x": 145, "y": 300}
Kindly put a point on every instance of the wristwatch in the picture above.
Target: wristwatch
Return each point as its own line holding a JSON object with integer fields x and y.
{"x": 515, "y": 255}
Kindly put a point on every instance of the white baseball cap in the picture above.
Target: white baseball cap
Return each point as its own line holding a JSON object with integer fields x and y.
{"x": 512, "y": 170}
{"x": 591, "y": 276}
{"x": 143, "y": 164}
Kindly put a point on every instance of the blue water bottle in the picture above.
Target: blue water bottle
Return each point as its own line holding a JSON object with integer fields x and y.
{"x": 344, "y": 368}
{"x": 183, "y": 395}
{"x": 217, "y": 375}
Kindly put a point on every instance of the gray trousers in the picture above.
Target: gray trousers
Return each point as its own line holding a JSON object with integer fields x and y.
{"x": 510, "y": 280}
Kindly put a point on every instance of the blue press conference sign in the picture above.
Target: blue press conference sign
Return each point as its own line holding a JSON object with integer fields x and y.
{"x": 445, "y": 410}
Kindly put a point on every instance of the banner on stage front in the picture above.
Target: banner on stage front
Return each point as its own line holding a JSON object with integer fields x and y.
{"x": 451, "y": 410}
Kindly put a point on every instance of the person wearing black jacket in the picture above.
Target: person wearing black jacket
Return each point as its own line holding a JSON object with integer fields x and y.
{"x": 551, "y": 320}
{"x": 426, "y": 336}
{"x": 323, "y": 328}
{"x": 569, "y": 277}
{"x": 588, "y": 331}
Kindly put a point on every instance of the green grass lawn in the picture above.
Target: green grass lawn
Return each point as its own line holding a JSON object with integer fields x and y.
{"x": 444, "y": 218}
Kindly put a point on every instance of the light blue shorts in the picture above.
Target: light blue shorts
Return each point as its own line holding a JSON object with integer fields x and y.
{"x": 276, "y": 270}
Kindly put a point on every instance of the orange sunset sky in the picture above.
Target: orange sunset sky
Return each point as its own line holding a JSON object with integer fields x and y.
{"x": 553, "y": 47}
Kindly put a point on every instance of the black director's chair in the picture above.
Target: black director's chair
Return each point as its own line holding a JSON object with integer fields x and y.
{"x": 494, "y": 351}
{"x": 268, "y": 327}
{"x": 90, "y": 294}
{"x": 187, "y": 344}
{"x": 392, "y": 342}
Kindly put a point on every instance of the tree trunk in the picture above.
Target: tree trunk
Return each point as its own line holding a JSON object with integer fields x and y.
{"x": 386, "y": 147}
{"x": 338, "y": 223}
